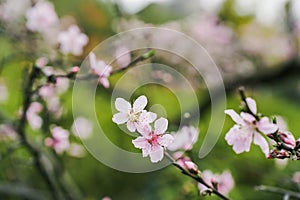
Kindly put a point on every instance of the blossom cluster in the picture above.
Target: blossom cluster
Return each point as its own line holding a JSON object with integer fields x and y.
{"x": 263, "y": 131}
{"x": 155, "y": 142}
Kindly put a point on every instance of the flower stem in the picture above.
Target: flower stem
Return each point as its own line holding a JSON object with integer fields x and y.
{"x": 278, "y": 191}
{"x": 196, "y": 177}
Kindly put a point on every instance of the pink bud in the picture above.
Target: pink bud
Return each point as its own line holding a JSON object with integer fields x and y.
{"x": 288, "y": 139}
{"x": 187, "y": 164}
{"x": 42, "y": 61}
{"x": 75, "y": 69}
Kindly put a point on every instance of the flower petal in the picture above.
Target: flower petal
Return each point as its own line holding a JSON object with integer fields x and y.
{"x": 157, "y": 154}
{"x": 165, "y": 140}
{"x": 265, "y": 126}
{"x": 248, "y": 117}
{"x": 120, "y": 118}
{"x": 122, "y": 105}
{"x": 160, "y": 125}
{"x": 104, "y": 81}
{"x": 145, "y": 130}
{"x": 140, "y": 103}
{"x": 93, "y": 60}
{"x": 151, "y": 117}
{"x": 234, "y": 116}
{"x": 131, "y": 126}
{"x": 141, "y": 143}
{"x": 252, "y": 105}
{"x": 239, "y": 138}
{"x": 261, "y": 142}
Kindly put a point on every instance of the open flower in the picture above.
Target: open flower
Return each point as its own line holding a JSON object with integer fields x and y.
{"x": 248, "y": 128}
{"x": 184, "y": 138}
{"x": 100, "y": 69}
{"x": 223, "y": 183}
{"x": 72, "y": 41}
{"x": 59, "y": 140}
{"x": 153, "y": 143}
{"x": 134, "y": 116}
{"x": 34, "y": 120}
{"x": 41, "y": 17}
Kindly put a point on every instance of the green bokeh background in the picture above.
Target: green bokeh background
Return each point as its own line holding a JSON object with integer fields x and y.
{"x": 97, "y": 180}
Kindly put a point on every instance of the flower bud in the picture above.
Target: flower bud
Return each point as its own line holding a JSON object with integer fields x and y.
{"x": 187, "y": 164}
{"x": 297, "y": 144}
{"x": 288, "y": 139}
{"x": 75, "y": 69}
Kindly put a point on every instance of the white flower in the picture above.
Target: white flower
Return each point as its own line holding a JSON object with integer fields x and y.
{"x": 41, "y": 17}
{"x": 101, "y": 69}
{"x": 135, "y": 116}
{"x": 248, "y": 128}
{"x": 153, "y": 143}
{"x": 72, "y": 41}
{"x": 184, "y": 138}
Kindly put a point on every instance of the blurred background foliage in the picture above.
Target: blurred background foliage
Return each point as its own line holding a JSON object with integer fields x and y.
{"x": 262, "y": 72}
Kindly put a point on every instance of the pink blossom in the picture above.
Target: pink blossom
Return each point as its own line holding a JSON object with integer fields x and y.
{"x": 106, "y": 198}
{"x": 123, "y": 56}
{"x": 34, "y": 120}
{"x": 76, "y": 150}
{"x": 41, "y": 17}
{"x": 153, "y": 143}
{"x": 296, "y": 177}
{"x": 12, "y": 10}
{"x": 134, "y": 116}
{"x": 82, "y": 127}
{"x": 75, "y": 69}
{"x": 100, "y": 69}
{"x": 248, "y": 128}
{"x": 7, "y": 132}
{"x": 59, "y": 140}
{"x": 224, "y": 182}
{"x": 184, "y": 138}
{"x": 42, "y": 61}
{"x": 72, "y": 41}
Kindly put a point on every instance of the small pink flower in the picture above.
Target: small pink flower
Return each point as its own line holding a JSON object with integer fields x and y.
{"x": 59, "y": 141}
{"x": 82, "y": 127}
{"x": 123, "y": 56}
{"x": 42, "y": 62}
{"x": 76, "y": 150}
{"x": 41, "y": 17}
{"x": 72, "y": 41}
{"x": 106, "y": 198}
{"x": 100, "y": 69}
{"x": 34, "y": 120}
{"x": 153, "y": 143}
{"x": 247, "y": 129}
{"x": 7, "y": 132}
{"x": 75, "y": 69}
{"x": 224, "y": 182}
{"x": 184, "y": 138}
{"x": 134, "y": 116}
{"x": 296, "y": 177}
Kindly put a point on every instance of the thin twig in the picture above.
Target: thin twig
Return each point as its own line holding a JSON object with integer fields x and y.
{"x": 196, "y": 177}
{"x": 20, "y": 129}
{"x": 278, "y": 191}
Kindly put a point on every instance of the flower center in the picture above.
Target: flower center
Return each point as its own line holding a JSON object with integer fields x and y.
{"x": 134, "y": 117}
